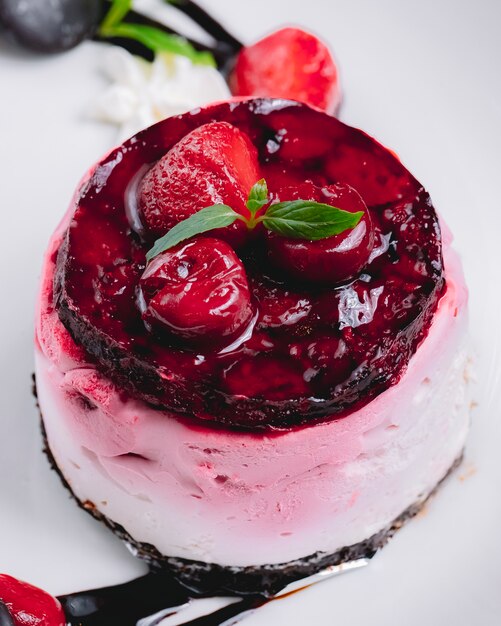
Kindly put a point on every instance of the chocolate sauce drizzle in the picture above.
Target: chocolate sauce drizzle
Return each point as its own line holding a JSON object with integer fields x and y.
{"x": 144, "y": 601}
{"x": 225, "y": 44}
{"x": 207, "y": 22}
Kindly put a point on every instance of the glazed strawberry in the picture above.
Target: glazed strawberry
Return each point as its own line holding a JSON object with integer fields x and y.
{"x": 289, "y": 63}
{"x": 332, "y": 260}
{"x": 28, "y": 605}
{"x": 197, "y": 291}
{"x": 214, "y": 164}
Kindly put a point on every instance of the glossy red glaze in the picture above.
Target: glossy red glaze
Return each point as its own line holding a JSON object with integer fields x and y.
{"x": 197, "y": 291}
{"x": 328, "y": 261}
{"x": 289, "y": 63}
{"x": 214, "y": 164}
{"x": 29, "y": 605}
{"x": 315, "y": 352}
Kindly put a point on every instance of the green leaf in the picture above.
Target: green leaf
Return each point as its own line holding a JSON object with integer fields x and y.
{"x": 258, "y": 196}
{"x": 298, "y": 219}
{"x": 215, "y": 216}
{"x": 306, "y": 219}
{"x": 118, "y": 10}
{"x": 159, "y": 41}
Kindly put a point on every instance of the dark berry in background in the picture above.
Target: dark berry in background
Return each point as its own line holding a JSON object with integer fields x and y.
{"x": 51, "y": 25}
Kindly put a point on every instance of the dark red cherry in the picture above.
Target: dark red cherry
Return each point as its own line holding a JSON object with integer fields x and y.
{"x": 27, "y": 605}
{"x": 289, "y": 63}
{"x": 332, "y": 260}
{"x": 214, "y": 164}
{"x": 197, "y": 291}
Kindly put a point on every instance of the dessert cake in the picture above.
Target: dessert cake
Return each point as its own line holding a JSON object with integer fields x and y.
{"x": 241, "y": 399}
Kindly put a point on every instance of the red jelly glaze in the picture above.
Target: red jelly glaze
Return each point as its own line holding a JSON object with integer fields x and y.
{"x": 289, "y": 63}
{"x": 214, "y": 164}
{"x": 315, "y": 352}
{"x": 198, "y": 292}
{"x": 29, "y": 605}
{"x": 328, "y": 261}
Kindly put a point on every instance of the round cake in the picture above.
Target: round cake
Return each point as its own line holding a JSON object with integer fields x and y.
{"x": 245, "y": 404}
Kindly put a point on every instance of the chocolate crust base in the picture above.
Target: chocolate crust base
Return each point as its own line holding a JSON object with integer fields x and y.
{"x": 214, "y": 579}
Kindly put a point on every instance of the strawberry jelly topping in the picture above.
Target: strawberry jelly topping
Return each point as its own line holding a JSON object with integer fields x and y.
{"x": 313, "y": 352}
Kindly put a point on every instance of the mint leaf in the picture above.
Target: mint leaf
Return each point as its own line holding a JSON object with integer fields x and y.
{"x": 118, "y": 10}
{"x": 258, "y": 196}
{"x": 306, "y": 219}
{"x": 298, "y": 219}
{"x": 158, "y": 41}
{"x": 215, "y": 216}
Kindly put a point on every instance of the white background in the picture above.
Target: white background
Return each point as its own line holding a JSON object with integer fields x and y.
{"x": 424, "y": 78}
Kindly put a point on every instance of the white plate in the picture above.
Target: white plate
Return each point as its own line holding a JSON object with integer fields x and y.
{"x": 423, "y": 77}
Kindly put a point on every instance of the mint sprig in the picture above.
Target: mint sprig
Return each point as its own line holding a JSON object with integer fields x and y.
{"x": 258, "y": 196}
{"x": 153, "y": 38}
{"x": 215, "y": 216}
{"x": 296, "y": 219}
{"x": 306, "y": 219}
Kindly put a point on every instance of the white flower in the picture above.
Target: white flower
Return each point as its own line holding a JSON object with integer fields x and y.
{"x": 143, "y": 93}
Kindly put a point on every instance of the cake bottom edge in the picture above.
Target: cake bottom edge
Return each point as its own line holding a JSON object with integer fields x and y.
{"x": 215, "y": 579}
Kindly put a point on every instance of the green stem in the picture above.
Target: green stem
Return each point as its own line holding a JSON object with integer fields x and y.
{"x": 116, "y": 13}
{"x": 254, "y": 221}
{"x": 120, "y": 13}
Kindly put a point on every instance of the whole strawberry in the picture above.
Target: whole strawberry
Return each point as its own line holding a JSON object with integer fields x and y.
{"x": 290, "y": 63}
{"x": 214, "y": 164}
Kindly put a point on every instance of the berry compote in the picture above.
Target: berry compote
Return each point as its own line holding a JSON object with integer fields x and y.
{"x": 301, "y": 351}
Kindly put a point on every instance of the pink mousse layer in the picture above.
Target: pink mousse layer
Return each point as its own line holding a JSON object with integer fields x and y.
{"x": 238, "y": 498}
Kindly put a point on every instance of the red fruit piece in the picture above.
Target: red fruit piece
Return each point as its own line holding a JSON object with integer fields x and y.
{"x": 330, "y": 356}
{"x": 197, "y": 291}
{"x": 289, "y": 63}
{"x": 279, "y": 307}
{"x": 266, "y": 376}
{"x": 214, "y": 164}
{"x": 332, "y": 260}
{"x": 29, "y": 605}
